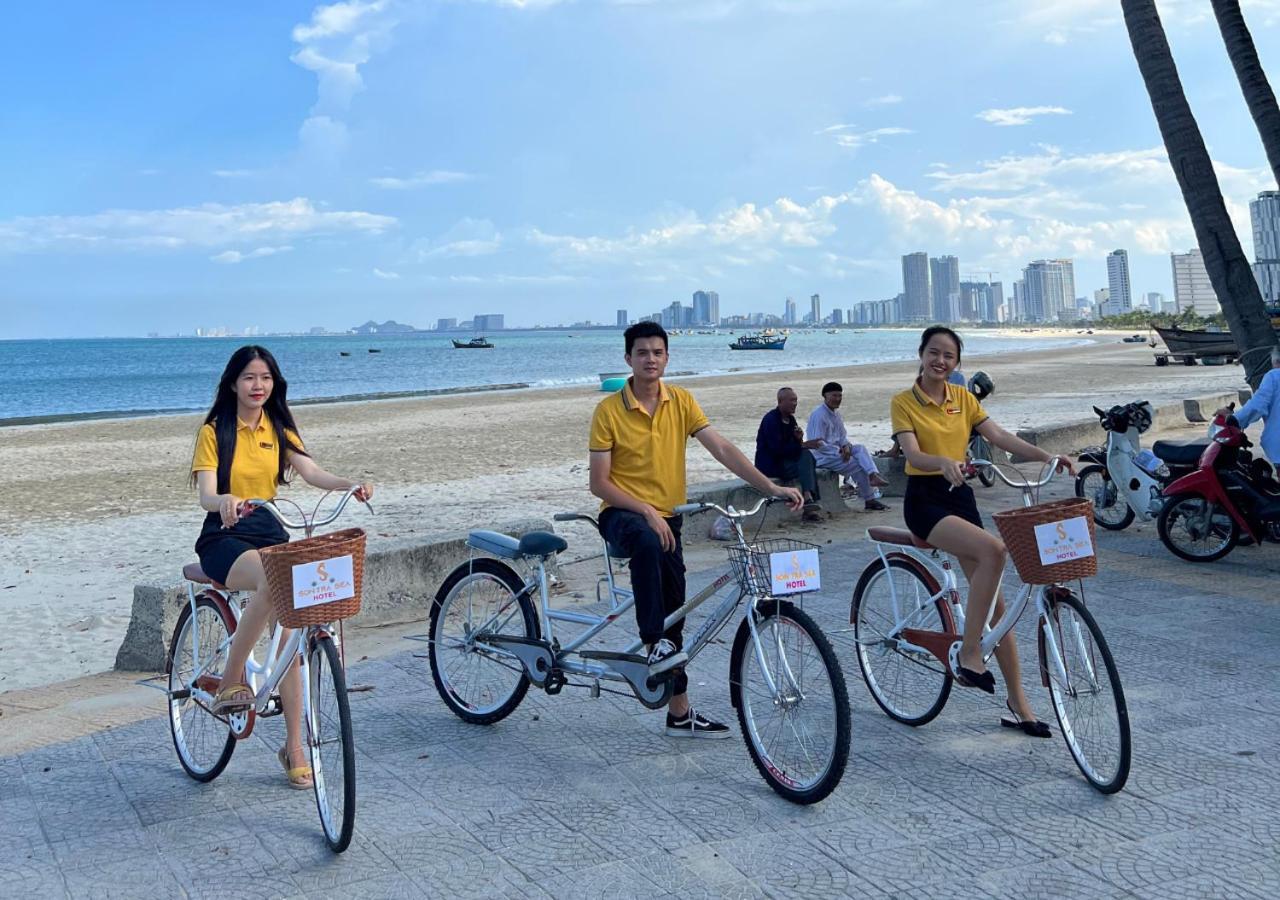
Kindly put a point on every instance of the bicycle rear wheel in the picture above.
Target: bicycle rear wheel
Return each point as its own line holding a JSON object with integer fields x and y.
{"x": 798, "y": 733}
{"x": 1085, "y": 688}
{"x": 479, "y": 683}
{"x": 204, "y": 741}
{"x": 333, "y": 752}
{"x": 910, "y": 685}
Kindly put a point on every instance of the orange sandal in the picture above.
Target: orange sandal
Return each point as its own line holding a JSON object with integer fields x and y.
{"x": 299, "y": 776}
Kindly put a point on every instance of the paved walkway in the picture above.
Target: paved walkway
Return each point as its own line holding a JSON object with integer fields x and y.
{"x": 573, "y": 797}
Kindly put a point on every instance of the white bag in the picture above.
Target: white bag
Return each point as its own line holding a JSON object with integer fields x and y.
{"x": 721, "y": 529}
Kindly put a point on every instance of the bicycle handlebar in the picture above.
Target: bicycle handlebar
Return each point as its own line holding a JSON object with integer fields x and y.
{"x": 693, "y": 508}
{"x": 1024, "y": 485}
{"x": 270, "y": 506}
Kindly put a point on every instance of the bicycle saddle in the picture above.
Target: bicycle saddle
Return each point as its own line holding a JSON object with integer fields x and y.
{"x": 541, "y": 543}
{"x": 885, "y": 535}
{"x": 193, "y": 572}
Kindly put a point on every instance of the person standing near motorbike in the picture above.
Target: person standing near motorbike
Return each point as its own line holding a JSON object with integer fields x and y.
{"x": 1265, "y": 405}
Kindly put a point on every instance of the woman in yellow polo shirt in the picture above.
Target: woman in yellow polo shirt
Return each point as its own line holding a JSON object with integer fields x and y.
{"x": 932, "y": 422}
{"x": 245, "y": 449}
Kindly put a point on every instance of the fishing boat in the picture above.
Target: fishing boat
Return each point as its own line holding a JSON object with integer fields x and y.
{"x": 1183, "y": 342}
{"x": 476, "y": 343}
{"x": 763, "y": 341}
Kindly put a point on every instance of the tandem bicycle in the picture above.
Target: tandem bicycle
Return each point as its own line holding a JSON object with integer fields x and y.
{"x": 908, "y": 616}
{"x": 202, "y": 637}
{"x": 492, "y": 636}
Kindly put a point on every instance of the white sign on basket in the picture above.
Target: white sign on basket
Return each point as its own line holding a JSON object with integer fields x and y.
{"x": 1063, "y": 541}
{"x": 794, "y": 572}
{"x": 323, "y": 582}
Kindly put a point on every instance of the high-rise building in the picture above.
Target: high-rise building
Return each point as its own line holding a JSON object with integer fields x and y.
{"x": 706, "y": 308}
{"x": 1120, "y": 300}
{"x": 1265, "y": 213}
{"x": 490, "y": 322}
{"x": 980, "y": 301}
{"x": 1191, "y": 286}
{"x": 789, "y": 312}
{"x": 1049, "y": 289}
{"x": 446, "y": 324}
{"x": 673, "y": 315}
{"x": 916, "y": 300}
{"x": 1155, "y": 301}
{"x": 837, "y": 316}
{"x": 622, "y": 318}
{"x": 1018, "y": 304}
{"x": 815, "y": 309}
{"x": 1101, "y": 297}
{"x": 944, "y": 278}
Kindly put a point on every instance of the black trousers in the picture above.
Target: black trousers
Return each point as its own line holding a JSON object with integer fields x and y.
{"x": 803, "y": 469}
{"x": 657, "y": 576}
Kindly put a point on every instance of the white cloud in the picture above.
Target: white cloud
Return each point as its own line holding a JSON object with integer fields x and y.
{"x": 386, "y": 276}
{"x": 233, "y": 173}
{"x": 1020, "y": 115}
{"x": 205, "y": 226}
{"x": 886, "y": 100}
{"x": 848, "y": 137}
{"x": 421, "y": 179}
{"x": 230, "y": 257}
{"x": 468, "y": 237}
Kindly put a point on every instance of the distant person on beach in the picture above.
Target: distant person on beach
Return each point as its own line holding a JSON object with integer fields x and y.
{"x": 246, "y": 448}
{"x": 838, "y": 453}
{"x": 932, "y": 421}
{"x": 637, "y": 443}
{"x": 1264, "y": 405}
{"x": 782, "y": 452}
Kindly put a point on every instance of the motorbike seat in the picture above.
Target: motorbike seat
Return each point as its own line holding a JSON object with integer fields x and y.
{"x": 1180, "y": 453}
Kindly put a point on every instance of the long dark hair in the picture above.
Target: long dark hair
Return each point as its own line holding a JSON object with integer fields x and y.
{"x": 222, "y": 415}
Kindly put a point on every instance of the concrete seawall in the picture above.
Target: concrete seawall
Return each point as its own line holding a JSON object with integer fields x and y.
{"x": 400, "y": 582}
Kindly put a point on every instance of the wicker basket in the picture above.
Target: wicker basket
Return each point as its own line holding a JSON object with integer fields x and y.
{"x": 278, "y": 561}
{"x": 1018, "y": 529}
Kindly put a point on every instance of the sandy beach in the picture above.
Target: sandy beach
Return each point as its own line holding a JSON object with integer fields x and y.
{"x": 89, "y": 509}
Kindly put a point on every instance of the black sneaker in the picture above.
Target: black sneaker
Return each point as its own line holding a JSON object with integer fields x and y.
{"x": 664, "y": 656}
{"x": 695, "y": 725}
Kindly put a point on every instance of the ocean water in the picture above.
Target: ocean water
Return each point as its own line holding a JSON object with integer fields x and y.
{"x": 67, "y": 379}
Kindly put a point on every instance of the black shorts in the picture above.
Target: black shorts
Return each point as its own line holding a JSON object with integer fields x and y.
{"x": 928, "y": 501}
{"x": 219, "y": 548}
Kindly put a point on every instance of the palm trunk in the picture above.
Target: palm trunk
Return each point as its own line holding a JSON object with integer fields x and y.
{"x": 1224, "y": 259}
{"x": 1253, "y": 81}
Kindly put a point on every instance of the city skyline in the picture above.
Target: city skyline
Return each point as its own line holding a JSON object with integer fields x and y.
{"x": 416, "y": 157}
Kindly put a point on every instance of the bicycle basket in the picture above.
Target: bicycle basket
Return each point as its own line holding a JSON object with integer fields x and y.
{"x": 1051, "y": 542}
{"x": 316, "y": 580}
{"x": 776, "y": 567}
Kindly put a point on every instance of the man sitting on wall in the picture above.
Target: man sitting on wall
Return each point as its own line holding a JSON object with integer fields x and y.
{"x": 782, "y": 452}
{"x": 837, "y": 453}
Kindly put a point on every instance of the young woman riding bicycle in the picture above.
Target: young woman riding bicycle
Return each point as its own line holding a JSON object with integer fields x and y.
{"x": 932, "y": 421}
{"x": 245, "y": 449}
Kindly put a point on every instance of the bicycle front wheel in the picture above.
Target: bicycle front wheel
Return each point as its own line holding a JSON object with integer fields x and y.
{"x": 197, "y": 654}
{"x": 481, "y": 684}
{"x": 1086, "y": 692}
{"x": 797, "y": 731}
{"x": 332, "y": 748}
{"x": 910, "y": 684}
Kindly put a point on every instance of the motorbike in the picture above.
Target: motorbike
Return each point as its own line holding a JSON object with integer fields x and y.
{"x": 1231, "y": 498}
{"x": 1121, "y": 479}
{"x": 982, "y": 387}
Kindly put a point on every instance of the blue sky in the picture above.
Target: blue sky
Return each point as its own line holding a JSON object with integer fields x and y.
{"x": 169, "y": 166}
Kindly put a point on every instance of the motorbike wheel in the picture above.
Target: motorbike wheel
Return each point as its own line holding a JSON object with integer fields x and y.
{"x": 1110, "y": 510}
{"x": 1196, "y": 529}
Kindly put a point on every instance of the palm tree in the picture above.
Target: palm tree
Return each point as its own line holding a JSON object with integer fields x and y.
{"x": 1224, "y": 259}
{"x": 1253, "y": 81}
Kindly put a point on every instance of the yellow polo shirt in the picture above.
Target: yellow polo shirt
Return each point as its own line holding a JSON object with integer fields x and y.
{"x": 940, "y": 430}
{"x": 647, "y": 452}
{"x": 256, "y": 461}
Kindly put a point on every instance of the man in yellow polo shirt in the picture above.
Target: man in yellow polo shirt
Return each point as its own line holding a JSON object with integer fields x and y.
{"x": 638, "y": 439}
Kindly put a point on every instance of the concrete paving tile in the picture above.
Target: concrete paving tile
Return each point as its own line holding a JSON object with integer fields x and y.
{"x": 612, "y": 881}
{"x": 127, "y": 878}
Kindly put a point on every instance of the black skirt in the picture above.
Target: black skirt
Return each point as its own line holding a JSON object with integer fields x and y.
{"x": 219, "y": 548}
{"x": 930, "y": 499}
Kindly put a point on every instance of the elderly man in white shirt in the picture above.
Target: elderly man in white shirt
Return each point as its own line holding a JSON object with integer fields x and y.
{"x": 837, "y": 453}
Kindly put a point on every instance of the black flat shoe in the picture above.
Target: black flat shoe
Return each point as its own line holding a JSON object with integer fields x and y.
{"x": 983, "y": 681}
{"x": 1035, "y": 728}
